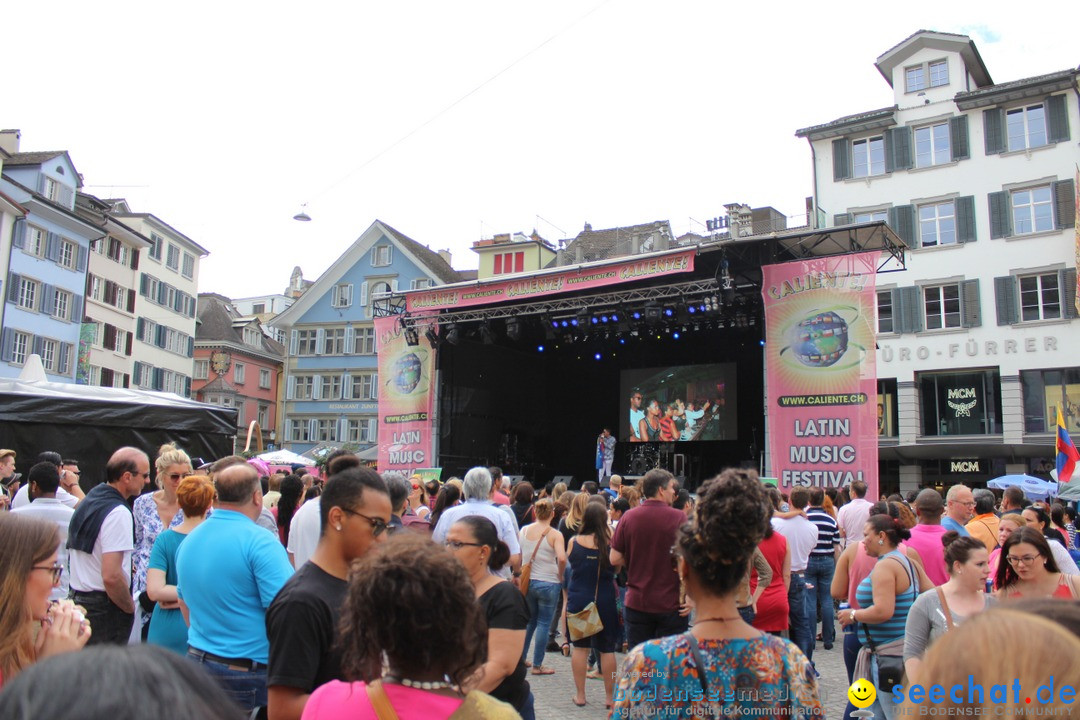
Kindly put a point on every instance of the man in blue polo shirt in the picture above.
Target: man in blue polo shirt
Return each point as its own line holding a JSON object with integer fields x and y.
{"x": 228, "y": 571}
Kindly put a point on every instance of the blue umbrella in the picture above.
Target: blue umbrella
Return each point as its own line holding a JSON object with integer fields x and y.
{"x": 1033, "y": 487}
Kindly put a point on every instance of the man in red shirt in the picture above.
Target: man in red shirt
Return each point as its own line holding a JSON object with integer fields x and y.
{"x": 643, "y": 542}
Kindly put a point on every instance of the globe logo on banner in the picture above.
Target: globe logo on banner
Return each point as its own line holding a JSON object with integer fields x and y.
{"x": 820, "y": 340}
{"x": 407, "y": 373}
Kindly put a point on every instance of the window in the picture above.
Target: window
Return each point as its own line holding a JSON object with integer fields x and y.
{"x": 202, "y": 369}
{"x": 341, "y": 295}
{"x": 932, "y": 145}
{"x": 303, "y": 386}
{"x": 28, "y": 294}
{"x": 334, "y": 341}
{"x": 37, "y": 241}
{"x": 143, "y": 376}
{"x": 299, "y": 430}
{"x": 307, "y": 342}
{"x": 252, "y": 337}
{"x": 174, "y": 382}
{"x": 1026, "y": 127}
{"x": 50, "y": 354}
{"x": 937, "y": 224}
{"x": 887, "y": 414}
{"x": 61, "y": 305}
{"x": 511, "y": 262}
{"x": 365, "y": 387}
{"x": 420, "y": 283}
{"x": 1032, "y": 210}
{"x": 917, "y": 77}
{"x": 119, "y": 340}
{"x": 189, "y": 266}
{"x": 361, "y": 430}
{"x": 69, "y": 254}
{"x": 156, "y": 243}
{"x": 326, "y": 430}
{"x": 51, "y": 189}
{"x": 966, "y": 403}
{"x": 239, "y": 371}
{"x": 873, "y": 216}
{"x": 869, "y": 156}
{"x": 172, "y": 259}
{"x": 258, "y": 308}
{"x": 264, "y": 413}
{"x": 885, "y": 311}
{"x": 1040, "y": 297}
{"x": 330, "y": 387}
{"x": 264, "y": 379}
{"x": 939, "y": 73}
{"x": 364, "y": 341}
{"x": 20, "y": 347}
{"x": 1044, "y": 391}
{"x": 381, "y": 256}
{"x": 941, "y": 305}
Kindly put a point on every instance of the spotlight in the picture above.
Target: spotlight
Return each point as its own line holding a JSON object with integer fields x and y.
{"x": 583, "y": 319}
{"x": 675, "y": 335}
{"x": 539, "y": 348}
{"x": 487, "y": 336}
{"x": 452, "y": 336}
{"x": 597, "y": 356}
{"x": 432, "y": 336}
{"x": 652, "y": 313}
{"x": 513, "y": 329}
{"x": 412, "y": 337}
{"x": 669, "y": 311}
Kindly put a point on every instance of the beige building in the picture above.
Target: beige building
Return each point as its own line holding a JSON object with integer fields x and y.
{"x": 510, "y": 253}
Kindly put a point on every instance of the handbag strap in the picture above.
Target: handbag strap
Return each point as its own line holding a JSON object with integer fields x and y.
{"x": 699, "y": 663}
{"x": 535, "y": 549}
{"x": 380, "y": 701}
{"x": 945, "y": 607}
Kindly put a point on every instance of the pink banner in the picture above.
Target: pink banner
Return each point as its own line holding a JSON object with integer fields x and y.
{"x": 821, "y": 370}
{"x": 552, "y": 282}
{"x": 406, "y": 397}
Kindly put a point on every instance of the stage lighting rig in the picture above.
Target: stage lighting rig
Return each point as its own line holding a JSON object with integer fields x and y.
{"x": 452, "y": 334}
{"x": 513, "y": 329}
{"x": 433, "y": 336}
{"x": 487, "y": 335}
{"x": 412, "y": 337}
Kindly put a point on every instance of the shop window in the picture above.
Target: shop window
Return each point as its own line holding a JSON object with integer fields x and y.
{"x": 887, "y": 420}
{"x": 966, "y": 403}
{"x": 1044, "y": 391}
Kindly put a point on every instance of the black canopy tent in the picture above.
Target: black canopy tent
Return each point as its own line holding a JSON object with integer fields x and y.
{"x": 88, "y": 423}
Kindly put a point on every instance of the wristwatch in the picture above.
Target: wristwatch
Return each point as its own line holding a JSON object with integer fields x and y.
{"x": 517, "y": 574}
{"x": 852, "y": 616}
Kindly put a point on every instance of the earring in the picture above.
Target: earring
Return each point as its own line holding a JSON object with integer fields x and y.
{"x": 880, "y": 541}
{"x": 338, "y": 528}
{"x": 959, "y": 572}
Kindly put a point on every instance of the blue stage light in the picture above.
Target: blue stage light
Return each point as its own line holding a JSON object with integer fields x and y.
{"x": 539, "y": 348}
{"x": 675, "y": 335}
{"x": 597, "y": 356}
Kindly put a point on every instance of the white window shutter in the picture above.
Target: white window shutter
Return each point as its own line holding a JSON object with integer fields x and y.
{"x": 389, "y": 254}
{"x": 316, "y": 387}
{"x": 320, "y": 341}
{"x": 290, "y": 390}
{"x": 373, "y": 429}
{"x": 393, "y": 285}
{"x": 313, "y": 429}
{"x": 364, "y": 294}
{"x": 343, "y": 429}
{"x": 346, "y": 386}
{"x": 350, "y": 339}
{"x": 294, "y": 344}
{"x": 374, "y": 386}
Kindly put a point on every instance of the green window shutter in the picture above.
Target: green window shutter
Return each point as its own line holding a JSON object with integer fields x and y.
{"x": 994, "y": 130}
{"x": 898, "y": 149}
{"x": 1000, "y": 216}
{"x": 909, "y": 317}
{"x": 972, "y": 304}
{"x": 902, "y": 221}
{"x": 1008, "y": 313}
{"x": 1057, "y": 119}
{"x": 965, "y": 219}
{"x": 841, "y": 159}
{"x": 958, "y": 137}
{"x": 841, "y": 219}
{"x": 1065, "y": 204}
{"x": 1067, "y": 283}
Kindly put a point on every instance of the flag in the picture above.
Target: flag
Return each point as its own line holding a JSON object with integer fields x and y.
{"x": 1067, "y": 456}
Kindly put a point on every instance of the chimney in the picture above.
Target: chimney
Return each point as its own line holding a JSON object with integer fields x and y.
{"x": 588, "y": 227}
{"x": 9, "y": 141}
{"x": 445, "y": 255}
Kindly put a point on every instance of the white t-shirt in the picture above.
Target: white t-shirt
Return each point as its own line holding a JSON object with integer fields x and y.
{"x": 801, "y": 535}
{"x": 22, "y": 498}
{"x": 117, "y": 534}
{"x": 304, "y": 530}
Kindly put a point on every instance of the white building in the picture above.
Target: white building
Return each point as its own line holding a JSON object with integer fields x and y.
{"x": 977, "y": 339}
{"x": 166, "y": 303}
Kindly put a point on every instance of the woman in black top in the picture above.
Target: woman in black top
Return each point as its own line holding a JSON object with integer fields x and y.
{"x": 474, "y": 541}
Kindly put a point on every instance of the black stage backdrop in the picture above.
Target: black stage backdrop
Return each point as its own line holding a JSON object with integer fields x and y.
{"x": 538, "y": 414}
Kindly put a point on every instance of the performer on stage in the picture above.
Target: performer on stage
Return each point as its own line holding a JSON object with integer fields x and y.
{"x": 605, "y": 450}
{"x": 636, "y": 416}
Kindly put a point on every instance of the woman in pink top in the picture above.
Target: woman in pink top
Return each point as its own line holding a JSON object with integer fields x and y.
{"x": 429, "y": 655}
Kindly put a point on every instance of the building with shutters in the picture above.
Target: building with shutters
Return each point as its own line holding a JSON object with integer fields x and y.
{"x": 237, "y": 365}
{"x": 166, "y": 303}
{"x": 331, "y": 371}
{"x": 46, "y": 253}
{"x": 977, "y": 339}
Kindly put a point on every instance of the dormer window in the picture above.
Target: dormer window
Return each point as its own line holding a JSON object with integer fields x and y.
{"x": 52, "y": 189}
{"x": 933, "y": 74}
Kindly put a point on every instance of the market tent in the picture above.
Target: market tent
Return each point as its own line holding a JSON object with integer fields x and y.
{"x": 1069, "y": 491}
{"x": 284, "y": 457}
{"x": 88, "y": 423}
{"x": 1033, "y": 487}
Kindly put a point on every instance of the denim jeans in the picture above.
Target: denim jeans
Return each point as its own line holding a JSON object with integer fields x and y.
{"x": 642, "y": 626}
{"x": 799, "y": 623}
{"x": 851, "y": 651}
{"x": 247, "y": 688}
{"x": 819, "y": 574}
{"x": 108, "y": 623}
{"x": 542, "y": 598}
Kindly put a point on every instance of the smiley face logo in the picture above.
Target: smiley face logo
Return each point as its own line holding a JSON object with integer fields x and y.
{"x": 862, "y": 693}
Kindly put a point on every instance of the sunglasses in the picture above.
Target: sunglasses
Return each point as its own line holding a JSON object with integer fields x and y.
{"x": 378, "y": 525}
{"x": 175, "y": 476}
{"x": 57, "y": 570}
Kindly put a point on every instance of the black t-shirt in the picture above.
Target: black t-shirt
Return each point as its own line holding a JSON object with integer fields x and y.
{"x": 301, "y": 624}
{"x": 505, "y": 609}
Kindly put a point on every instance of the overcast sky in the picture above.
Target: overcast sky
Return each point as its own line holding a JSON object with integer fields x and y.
{"x": 222, "y": 118}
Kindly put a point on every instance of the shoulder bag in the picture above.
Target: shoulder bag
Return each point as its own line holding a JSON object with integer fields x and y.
{"x": 526, "y": 572}
{"x": 945, "y": 608}
{"x": 586, "y": 622}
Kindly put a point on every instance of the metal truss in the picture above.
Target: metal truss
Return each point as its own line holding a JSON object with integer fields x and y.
{"x": 395, "y": 305}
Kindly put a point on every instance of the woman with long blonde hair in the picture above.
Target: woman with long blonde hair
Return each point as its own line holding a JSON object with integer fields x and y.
{"x": 28, "y": 573}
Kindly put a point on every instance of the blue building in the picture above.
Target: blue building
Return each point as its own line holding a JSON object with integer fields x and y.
{"x": 47, "y": 256}
{"x": 331, "y": 369}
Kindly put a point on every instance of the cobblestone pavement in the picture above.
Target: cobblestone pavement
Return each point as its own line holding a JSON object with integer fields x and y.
{"x": 554, "y": 693}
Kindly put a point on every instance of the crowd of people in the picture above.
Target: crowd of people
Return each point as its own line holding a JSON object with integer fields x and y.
{"x": 232, "y": 593}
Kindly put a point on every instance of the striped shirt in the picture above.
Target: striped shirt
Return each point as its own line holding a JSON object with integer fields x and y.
{"x": 828, "y": 532}
{"x": 894, "y": 627}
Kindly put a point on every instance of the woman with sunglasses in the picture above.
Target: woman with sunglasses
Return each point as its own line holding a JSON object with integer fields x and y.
{"x": 153, "y": 512}
{"x": 418, "y": 501}
{"x": 474, "y": 541}
{"x": 1029, "y": 570}
{"x": 28, "y": 573}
